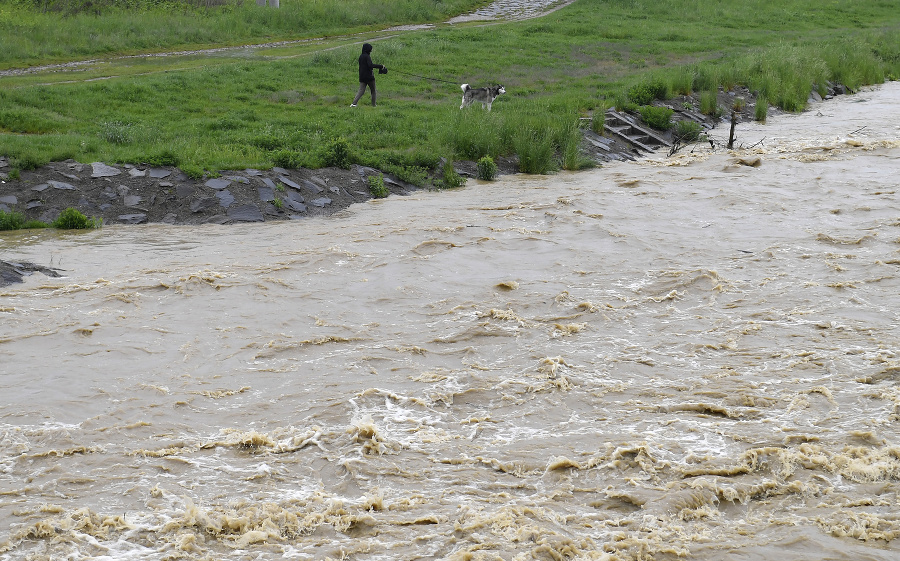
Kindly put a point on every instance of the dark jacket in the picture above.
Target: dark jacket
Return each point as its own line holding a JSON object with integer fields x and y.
{"x": 366, "y": 65}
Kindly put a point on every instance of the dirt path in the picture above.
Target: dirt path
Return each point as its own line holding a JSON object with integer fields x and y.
{"x": 498, "y": 11}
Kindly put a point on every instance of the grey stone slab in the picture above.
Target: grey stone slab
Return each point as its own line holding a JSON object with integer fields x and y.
{"x": 184, "y": 191}
{"x": 4, "y": 208}
{"x": 9, "y": 199}
{"x": 109, "y": 192}
{"x": 226, "y": 199}
{"x": 218, "y": 183}
{"x": 253, "y": 172}
{"x": 170, "y": 218}
{"x": 76, "y": 166}
{"x": 296, "y": 217}
{"x": 203, "y": 204}
{"x": 363, "y": 171}
{"x": 159, "y": 173}
{"x": 102, "y": 170}
{"x": 312, "y": 187}
{"x": 294, "y": 196}
{"x": 69, "y": 176}
{"x": 4, "y": 163}
{"x": 238, "y": 178}
{"x": 321, "y": 202}
{"x": 281, "y": 171}
{"x": 133, "y": 200}
{"x": 166, "y": 184}
{"x": 132, "y": 218}
{"x": 269, "y": 183}
{"x": 246, "y": 213}
{"x": 135, "y": 172}
{"x": 287, "y": 181}
{"x": 41, "y": 187}
{"x": 318, "y": 180}
{"x": 266, "y": 194}
{"x": 61, "y": 185}
{"x": 105, "y": 206}
{"x": 33, "y": 204}
{"x": 217, "y": 219}
{"x": 294, "y": 205}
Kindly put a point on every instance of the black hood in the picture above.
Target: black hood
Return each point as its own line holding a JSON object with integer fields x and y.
{"x": 367, "y": 48}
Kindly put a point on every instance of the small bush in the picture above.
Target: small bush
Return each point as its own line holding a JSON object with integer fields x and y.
{"x": 687, "y": 131}
{"x": 11, "y": 220}
{"x": 15, "y": 174}
{"x": 659, "y": 118}
{"x": 761, "y": 111}
{"x": 451, "y": 178}
{"x": 377, "y": 187}
{"x": 289, "y": 159}
{"x": 26, "y": 162}
{"x": 72, "y": 219}
{"x": 644, "y": 94}
{"x": 278, "y": 203}
{"x": 337, "y": 154}
{"x": 486, "y": 169}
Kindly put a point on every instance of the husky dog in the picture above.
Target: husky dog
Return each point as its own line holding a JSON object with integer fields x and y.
{"x": 485, "y": 96}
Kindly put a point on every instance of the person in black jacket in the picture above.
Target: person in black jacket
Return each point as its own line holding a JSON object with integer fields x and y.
{"x": 366, "y": 76}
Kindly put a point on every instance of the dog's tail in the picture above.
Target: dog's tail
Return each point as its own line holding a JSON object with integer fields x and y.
{"x": 465, "y": 88}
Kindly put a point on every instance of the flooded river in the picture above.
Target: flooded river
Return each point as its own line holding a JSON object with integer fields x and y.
{"x": 691, "y": 357}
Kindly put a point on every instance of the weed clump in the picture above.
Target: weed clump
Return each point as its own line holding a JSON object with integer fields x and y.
{"x": 687, "y": 131}
{"x": 659, "y": 118}
{"x": 709, "y": 104}
{"x": 761, "y": 111}
{"x": 193, "y": 171}
{"x": 377, "y": 187}
{"x": 16, "y": 221}
{"x": 486, "y": 169}
{"x": 72, "y": 219}
{"x": 451, "y": 178}
{"x": 289, "y": 159}
{"x": 337, "y": 154}
{"x": 644, "y": 94}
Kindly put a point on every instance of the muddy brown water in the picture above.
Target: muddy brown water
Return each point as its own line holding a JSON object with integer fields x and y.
{"x": 689, "y": 356}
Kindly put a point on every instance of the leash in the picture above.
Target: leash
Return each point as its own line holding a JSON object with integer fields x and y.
{"x": 424, "y": 77}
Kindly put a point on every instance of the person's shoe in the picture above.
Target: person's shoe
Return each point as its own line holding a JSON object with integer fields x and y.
{"x": 352, "y": 105}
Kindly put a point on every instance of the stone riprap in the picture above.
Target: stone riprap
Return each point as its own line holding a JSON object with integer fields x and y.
{"x": 511, "y": 10}
{"x": 130, "y": 194}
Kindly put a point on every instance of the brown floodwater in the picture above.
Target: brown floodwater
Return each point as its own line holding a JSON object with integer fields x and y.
{"x": 696, "y": 356}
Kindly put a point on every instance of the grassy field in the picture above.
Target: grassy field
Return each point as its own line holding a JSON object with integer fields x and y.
{"x": 290, "y": 106}
{"x": 42, "y": 31}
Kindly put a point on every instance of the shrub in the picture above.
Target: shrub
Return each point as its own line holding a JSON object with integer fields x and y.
{"x": 451, "y": 178}
{"x": 337, "y": 154}
{"x": 290, "y": 159}
{"x": 377, "y": 187}
{"x": 11, "y": 220}
{"x": 15, "y": 174}
{"x": 26, "y": 162}
{"x": 687, "y": 131}
{"x": 486, "y": 169}
{"x": 659, "y": 118}
{"x": 761, "y": 111}
{"x": 72, "y": 219}
{"x": 644, "y": 94}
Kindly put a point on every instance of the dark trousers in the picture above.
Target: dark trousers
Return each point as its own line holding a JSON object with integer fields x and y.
{"x": 362, "y": 90}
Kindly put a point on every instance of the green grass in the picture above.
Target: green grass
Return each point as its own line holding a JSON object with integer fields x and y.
{"x": 67, "y": 31}
{"x": 289, "y": 107}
